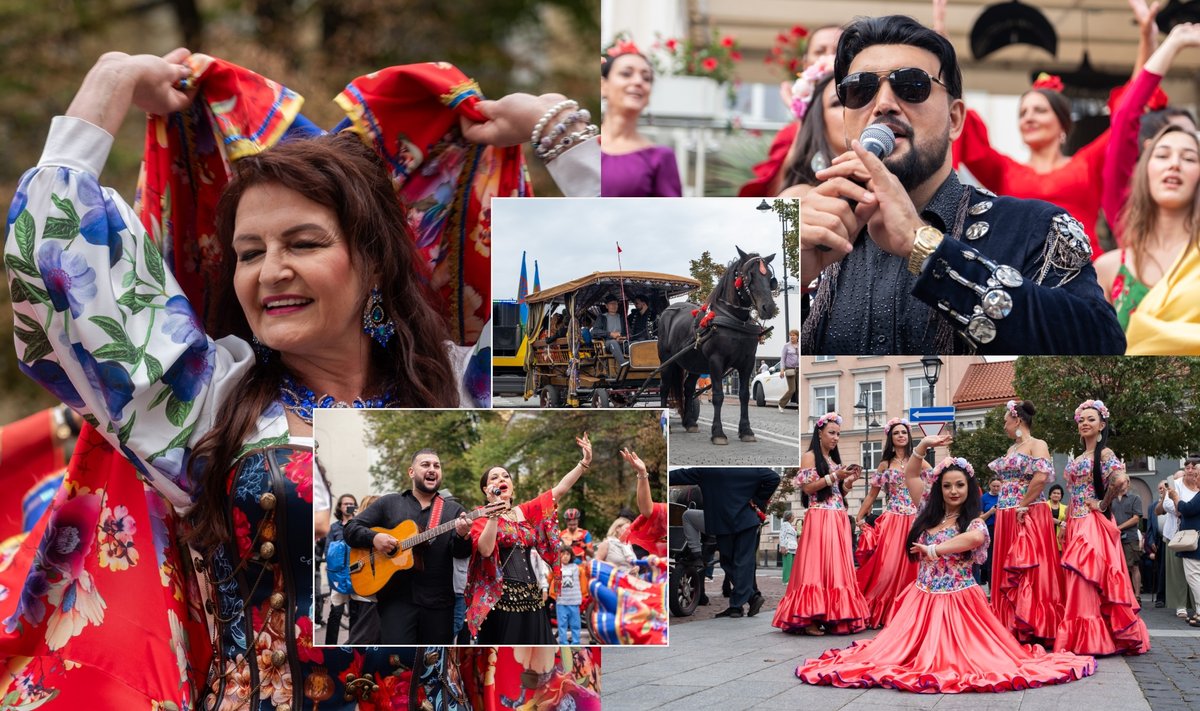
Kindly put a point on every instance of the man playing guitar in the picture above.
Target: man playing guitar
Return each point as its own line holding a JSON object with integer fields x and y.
{"x": 416, "y": 606}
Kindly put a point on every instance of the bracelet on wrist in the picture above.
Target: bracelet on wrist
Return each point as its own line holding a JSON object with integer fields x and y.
{"x": 565, "y": 105}
{"x": 584, "y": 464}
{"x": 643, "y": 476}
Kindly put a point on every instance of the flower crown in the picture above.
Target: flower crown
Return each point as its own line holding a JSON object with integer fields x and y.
{"x": 826, "y": 419}
{"x": 896, "y": 421}
{"x": 622, "y": 46}
{"x": 806, "y": 82}
{"x": 1097, "y": 405}
{"x": 1011, "y": 406}
{"x": 1048, "y": 81}
{"x": 953, "y": 462}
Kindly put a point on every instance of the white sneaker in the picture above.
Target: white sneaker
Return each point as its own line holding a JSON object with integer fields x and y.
{"x": 1181, "y": 613}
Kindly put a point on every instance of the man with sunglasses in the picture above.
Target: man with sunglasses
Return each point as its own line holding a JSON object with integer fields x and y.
{"x": 911, "y": 261}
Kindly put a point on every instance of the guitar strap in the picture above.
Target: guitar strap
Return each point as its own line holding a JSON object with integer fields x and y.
{"x": 435, "y": 516}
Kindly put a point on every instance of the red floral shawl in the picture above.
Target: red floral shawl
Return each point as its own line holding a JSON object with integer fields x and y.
{"x": 539, "y": 531}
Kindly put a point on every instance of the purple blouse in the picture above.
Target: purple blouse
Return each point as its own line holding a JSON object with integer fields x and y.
{"x": 650, "y": 172}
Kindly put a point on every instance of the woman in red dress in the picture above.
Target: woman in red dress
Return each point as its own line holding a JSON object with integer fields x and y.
{"x": 888, "y": 571}
{"x": 950, "y": 641}
{"x": 823, "y": 590}
{"x": 1101, "y": 613}
{"x": 1027, "y": 579}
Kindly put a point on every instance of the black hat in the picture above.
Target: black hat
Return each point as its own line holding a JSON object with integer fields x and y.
{"x": 1012, "y": 23}
{"x": 1177, "y": 11}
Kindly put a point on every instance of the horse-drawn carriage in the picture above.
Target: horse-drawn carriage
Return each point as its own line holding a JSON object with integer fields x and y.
{"x": 567, "y": 366}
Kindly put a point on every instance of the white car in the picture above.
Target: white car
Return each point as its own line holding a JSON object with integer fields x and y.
{"x": 768, "y": 387}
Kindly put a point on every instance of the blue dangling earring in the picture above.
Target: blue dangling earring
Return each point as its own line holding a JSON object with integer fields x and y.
{"x": 261, "y": 352}
{"x": 376, "y": 323}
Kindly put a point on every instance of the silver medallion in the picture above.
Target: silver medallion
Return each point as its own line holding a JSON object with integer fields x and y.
{"x": 979, "y": 208}
{"x": 1008, "y": 276}
{"x": 981, "y": 329}
{"x": 977, "y": 230}
{"x": 996, "y": 303}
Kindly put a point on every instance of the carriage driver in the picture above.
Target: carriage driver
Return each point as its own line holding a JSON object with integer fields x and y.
{"x": 610, "y": 326}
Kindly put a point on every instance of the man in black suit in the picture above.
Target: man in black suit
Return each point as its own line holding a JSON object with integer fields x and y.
{"x": 733, "y": 499}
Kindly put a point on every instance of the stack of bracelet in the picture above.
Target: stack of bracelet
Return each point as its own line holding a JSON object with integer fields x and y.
{"x": 549, "y": 144}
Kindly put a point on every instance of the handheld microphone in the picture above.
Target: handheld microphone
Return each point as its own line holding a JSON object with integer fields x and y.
{"x": 496, "y": 491}
{"x": 879, "y": 140}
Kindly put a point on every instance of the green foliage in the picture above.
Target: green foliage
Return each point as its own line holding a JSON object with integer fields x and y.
{"x": 983, "y": 445}
{"x": 788, "y": 211}
{"x": 537, "y": 448}
{"x": 1152, "y": 400}
{"x": 707, "y": 272}
{"x": 781, "y": 502}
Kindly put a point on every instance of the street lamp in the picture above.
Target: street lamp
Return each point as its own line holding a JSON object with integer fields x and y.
{"x": 784, "y": 223}
{"x": 932, "y": 365}
{"x": 862, "y": 404}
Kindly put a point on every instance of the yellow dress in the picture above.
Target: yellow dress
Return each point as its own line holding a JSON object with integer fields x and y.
{"x": 1167, "y": 321}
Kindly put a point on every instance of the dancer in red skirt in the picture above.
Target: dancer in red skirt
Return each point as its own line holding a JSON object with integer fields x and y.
{"x": 1101, "y": 613}
{"x": 1027, "y": 581}
{"x": 888, "y": 571}
{"x": 822, "y": 590}
{"x": 950, "y": 641}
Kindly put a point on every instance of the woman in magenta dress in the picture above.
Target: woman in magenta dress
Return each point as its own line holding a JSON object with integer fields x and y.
{"x": 950, "y": 641}
{"x": 1027, "y": 579}
{"x": 1101, "y": 613}
{"x": 630, "y": 165}
{"x": 822, "y": 591}
{"x": 888, "y": 571}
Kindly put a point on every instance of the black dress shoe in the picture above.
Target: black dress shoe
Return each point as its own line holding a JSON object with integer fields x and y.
{"x": 730, "y": 612}
{"x": 756, "y": 604}
{"x": 703, "y": 600}
{"x": 1159, "y": 603}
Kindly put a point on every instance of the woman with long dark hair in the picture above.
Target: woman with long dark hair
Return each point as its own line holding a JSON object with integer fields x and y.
{"x": 821, "y": 137}
{"x": 822, "y": 592}
{"x": 631, "y": 165}
{"x": 1101, "y": 613}
{"x": 1026, "y": 576}
{"x": 889, "y": 570}
{"x": 949, "y": 641}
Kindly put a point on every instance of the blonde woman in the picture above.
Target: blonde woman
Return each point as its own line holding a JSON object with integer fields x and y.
{"x": 613, "y": 549}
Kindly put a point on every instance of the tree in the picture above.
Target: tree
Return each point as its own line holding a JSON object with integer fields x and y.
{"x": 537, "y": 448}
{"x": 789, "y": 214}
{"x": 707, "y": 272}
{"x": 984, "y": 444}
{"x": 1152, "y": 400}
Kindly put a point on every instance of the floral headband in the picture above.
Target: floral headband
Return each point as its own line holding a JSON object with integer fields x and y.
{"x": 827, "y": 418}
{"x": 622, "y": 46}
{"x": 896, "y": 421}
{"x": 1011, "y": 406}
{"x": 802, "y": 90}
{"x": 1048, "y": 81}
{"x": 1097, "y": 405}
{"x": 953, "y": 462}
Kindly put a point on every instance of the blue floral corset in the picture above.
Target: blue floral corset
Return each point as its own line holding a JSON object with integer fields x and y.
{"x": 835, "y": 502}
{"x": 950, "y": 573}
{"x": 891, "y": 482}
{"x": 1016, "y": 471}
{"x": 1079, "y": 477}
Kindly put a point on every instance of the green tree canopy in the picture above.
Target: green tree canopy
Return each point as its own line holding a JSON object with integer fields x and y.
{"x": 706, "y": 271}
{"x": 537, "y": 448}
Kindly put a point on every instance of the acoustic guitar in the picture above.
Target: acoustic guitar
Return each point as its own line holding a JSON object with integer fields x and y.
{"x": 370, "y": 570}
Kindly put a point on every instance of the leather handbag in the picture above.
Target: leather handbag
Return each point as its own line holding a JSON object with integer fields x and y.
{"x": 1184, "y": 541}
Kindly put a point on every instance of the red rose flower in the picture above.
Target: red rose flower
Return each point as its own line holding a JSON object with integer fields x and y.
{"x": 799, "y": 31}
{"x": 709, "y": 64}
{"x": 735, "y": 56}
{"x": 672, "y": 44}
{"x": 726, "y": 41}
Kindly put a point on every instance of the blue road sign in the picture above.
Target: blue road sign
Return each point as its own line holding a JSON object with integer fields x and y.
{"x": 931, "y": 414}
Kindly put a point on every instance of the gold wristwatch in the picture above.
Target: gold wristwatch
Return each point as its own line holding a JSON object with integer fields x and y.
{"x": 927, "y": 240}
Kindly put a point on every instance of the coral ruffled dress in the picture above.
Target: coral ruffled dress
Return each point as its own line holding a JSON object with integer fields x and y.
{"x": 1101, "y": 614}
{"x": 950, "y": 641}
{"x": 1027, "y": 580}
{"x": 823, "y": 588}
{"x": 888, "y": 572}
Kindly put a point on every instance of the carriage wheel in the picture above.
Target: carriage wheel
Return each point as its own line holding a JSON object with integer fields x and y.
{"x": 600, "y": 397}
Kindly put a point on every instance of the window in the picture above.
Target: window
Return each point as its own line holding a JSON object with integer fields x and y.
{"x": 872, "y": 452}
{"x": 824, "y": 399}
{"x": 870, "y": 393}
{"x": 775, "y": 523}
{"x": 918, "y": 393}
{"x": 825, "y": 359}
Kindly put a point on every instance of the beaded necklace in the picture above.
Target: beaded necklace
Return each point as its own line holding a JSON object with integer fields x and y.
{"x": 297, "y": 398}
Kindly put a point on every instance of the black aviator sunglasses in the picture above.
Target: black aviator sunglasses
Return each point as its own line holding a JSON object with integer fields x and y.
{"x": 909, "y": 84}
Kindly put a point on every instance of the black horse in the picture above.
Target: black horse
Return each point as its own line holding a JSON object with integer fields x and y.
{"x": 714, "y": 337}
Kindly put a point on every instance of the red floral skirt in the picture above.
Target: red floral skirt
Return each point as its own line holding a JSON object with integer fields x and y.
{"x": 1027, "y": 579}
{"x": 823, "y": 587}
{"x": 1101, "y": 614}
{"x": 888, "y": 572}
{"x": 950, "y": 643}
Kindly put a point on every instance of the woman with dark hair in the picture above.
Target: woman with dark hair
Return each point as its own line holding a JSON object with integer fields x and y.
{"x": 1101, "y": 614}
{"x": 889, "y": 570}
{"x": 631, "y": 166}
{"x": 950, "y": 641}
{"x": 504, "y": 602}
{"x": 1058, "y": 514}
{"x": 822, "y": 591}
{"x": 1026, "y": 576}
{"x": 1152, "y": 279}
{"x": 317, "y": 267}
{"x": 821, "y": 137}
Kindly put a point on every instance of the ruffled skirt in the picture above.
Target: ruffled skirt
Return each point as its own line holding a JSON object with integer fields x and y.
{"x": 1101, "y": 614}
{"x": 1027, "y": 579}
{"x": 949, "y": 643}
{"x": 823, "y": 588}
{"x": 886, "y": 574}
